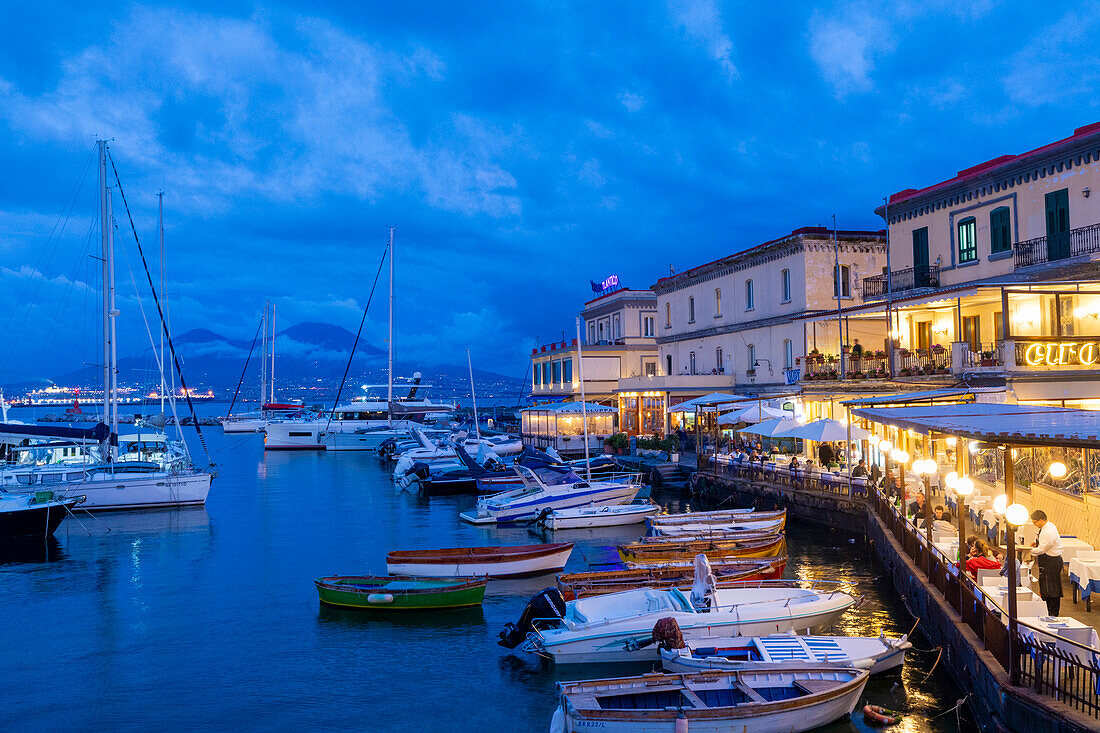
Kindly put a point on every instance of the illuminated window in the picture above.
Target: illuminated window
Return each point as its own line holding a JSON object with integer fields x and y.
{"x": 968, "y": 240}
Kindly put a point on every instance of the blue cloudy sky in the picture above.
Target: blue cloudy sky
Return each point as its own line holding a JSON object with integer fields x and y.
{"x": 522, "y": 149}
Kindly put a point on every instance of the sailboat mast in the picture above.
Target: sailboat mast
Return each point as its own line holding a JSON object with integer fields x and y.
{"x": 584, "y": 406}
{"x": 389, "y": 390}
{"x": 473, "y": 394}
{"x": 112, "y": 314}
{"x": 160, "y": 232}
{"x": 263, "y": 359}
{"x": 271, "y": 392}
{"x": 105, "y": 221}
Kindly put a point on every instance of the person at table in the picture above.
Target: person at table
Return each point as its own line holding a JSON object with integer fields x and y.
{"x": 793, "y": 465}
{"x": 1047, "y": 550}
{"x": 916, "y": 507}
{"x": 875, "y": 474}
{"x": 941, "y": 514}
{"x": 981, "y": 558}
{"x": 860, "y": 469}
{"x": 825, "y": 454}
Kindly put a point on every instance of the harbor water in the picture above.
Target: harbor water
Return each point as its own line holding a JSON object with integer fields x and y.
{"x": 209, "y": 617}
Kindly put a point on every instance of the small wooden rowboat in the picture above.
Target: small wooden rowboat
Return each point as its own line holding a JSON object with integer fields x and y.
{"x": 658, "y": 552}
{"x": 775, "y": 700}
{"x": 583, "y": 517}
{"x": 392, "y": 593}
{"x": 664, "y": 523}
{"x": 665, "y": 575}
{"x": 495, "y": 562}
{"x": 766, "y": 526}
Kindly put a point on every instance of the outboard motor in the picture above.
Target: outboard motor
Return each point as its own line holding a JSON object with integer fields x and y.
{"x": 418, "y": 470}
{"x": 546, "y": 604}
{"x": 387, "y": 447}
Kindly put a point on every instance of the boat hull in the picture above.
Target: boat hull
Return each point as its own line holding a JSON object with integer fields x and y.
{"x": 230, "y": 427}
{"x": 582, "y": 585}
{"x": 877, "y": 656}
{"x": 598, "y": 518}
{"x": 526, "y": 508}
{"x": 642, "y": 553}
{"x": 34, "y": 520}
{"x": 104, "y": 492}
{"x": 521, "y": 565}
{"x": 387, "y": 597}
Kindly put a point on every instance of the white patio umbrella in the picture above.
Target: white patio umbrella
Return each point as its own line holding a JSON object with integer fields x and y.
{"x": 716, "y": 398}
{"x": 772, "y": 428}
{"x": 825, "y": 431}
{"x": 753, "y": 414}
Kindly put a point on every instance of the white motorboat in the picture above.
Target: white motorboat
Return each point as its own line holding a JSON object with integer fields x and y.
{"x": 717, "y": 520}
{"x": 874, "y": 653}
{"x": 617, "y": 627}
{"x": 767, "y": 526}
{"x": 776, "y": 700}
{"x": 550, "y": 487}
{"x": 116, "y": 485}
{"x": 584, "y": 517}
{"x": 256, "y": 422}
{"x": 495, "y": 562}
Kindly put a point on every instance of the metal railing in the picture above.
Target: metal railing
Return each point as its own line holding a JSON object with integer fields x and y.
{"x": 983, "y": 355}
{"x": 819, "y": 482}
{"x": 911, "y": 278}
{"x": 1060, "y": 246}
{"x": 924, "y": 362}
{"x": 1062, "y": 668}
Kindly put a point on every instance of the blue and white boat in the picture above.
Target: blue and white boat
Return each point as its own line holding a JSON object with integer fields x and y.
{"x": 551, "y": 487}
{"x": 874, "y": 653}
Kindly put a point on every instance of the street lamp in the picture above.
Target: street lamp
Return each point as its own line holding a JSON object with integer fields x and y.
{"x": 1058, "y": 469}
{"x": 900, "y": 457}
{"x": 1016, "y": 515}
{"x": 925, "y": 467}
{"x": 963, "y": 487}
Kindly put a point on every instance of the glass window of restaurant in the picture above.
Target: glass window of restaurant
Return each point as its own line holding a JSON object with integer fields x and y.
{"x": 557, "y": 372}
{"x": 652, "y": 414}
{"x": 546, "y": 373}
{"x": 567, "y": 371}
{"x": 536, "y": 376}
{"x": 630, "y": 414}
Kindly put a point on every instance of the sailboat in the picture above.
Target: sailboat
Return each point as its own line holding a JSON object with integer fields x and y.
{"x": 358, "y": 425}
{"x": 106, "y": 479}
{"x": 256, "y": 421}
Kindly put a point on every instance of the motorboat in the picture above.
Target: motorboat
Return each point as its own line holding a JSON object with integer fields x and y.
{"x": 38, "y": 516}
{"x": 874, "y": 653}
{"x": 495, "y": 562}
{"x": 585, "y": 517}
{"x": 389, "y": 593}
{"x": 256, "y": 421}
{"x": 469, "y": 475}
{"x": 600, "y": 582}
{"x": 550, "y": 487}
{"x": 619, "y": 627}
{"x": 786, "y": 699}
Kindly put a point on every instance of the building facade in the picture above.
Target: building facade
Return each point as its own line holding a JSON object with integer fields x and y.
{"x": 618, "y": 331}
{"x": 994, "y": 275}
{"x": 741, "y": 324}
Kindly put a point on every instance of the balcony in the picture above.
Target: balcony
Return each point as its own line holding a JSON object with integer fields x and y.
{"x": 1060, "y": 246}
{"x": 911, "y": 278}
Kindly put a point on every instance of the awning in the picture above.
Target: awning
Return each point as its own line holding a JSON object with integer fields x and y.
{"x": 772, "y": 427}
{"x": 996, "y": 423}
{"x": 96, "y": 434}
{"x": 753, "y": 414}
{"x": 570, "y": 408}
{"x": 929, "y": 395}
{"x": 707, "y": 400}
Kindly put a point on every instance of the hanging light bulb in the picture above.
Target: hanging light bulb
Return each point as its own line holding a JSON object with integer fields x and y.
{"x": 1000, "y": 504}
{"x": 1016, "y": 515}
{"x": 1058, "y": 469}
{"x": 884, "y": 446}
{"x": 964, "y": 486}
{"x": 899, "y": 456}
{"x": 951, "y": 441}
{"x": 974, "y": 447}
{"x": 950, "y": 479}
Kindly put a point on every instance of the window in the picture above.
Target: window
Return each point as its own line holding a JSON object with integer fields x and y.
{"x": 718, "y": 360}
{"x": 557, "y": 372}
{"x": 536, "y": 376}
{"x": 567, "y": 371}
{"x": 750, "y": 303}
{"x": 648, "y": 326}
{"x": 842, "y": 282}
{"x": 972, "y": 332}
{"x": 599, "y": 332}
{"x": 998, "y": 325}
{"x": 718, "y": 302}
{"x": 691, "y": 311}
{"x": 968, "y": 240}
{"x": 668, "y": 315}
{"x": 785, "y": 285}
{"x": 668, "y": 363}
{"x": 649, "y": 369}
{"x": 752, "y": 358}
{"x": 1000, "y": 235}
{"x": 691, "y": 362}
{"x": 788, "y": 354}
{"x": 591, "y": 333}
{"x": 546, "y": 373}
{"x": 616, "y": 328}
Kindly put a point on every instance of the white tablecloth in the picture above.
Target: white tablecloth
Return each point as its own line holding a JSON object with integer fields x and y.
{"x": 1071, "y": 546}
{"x": 1065, "y": 628}
{"x": 1085, "y": 574}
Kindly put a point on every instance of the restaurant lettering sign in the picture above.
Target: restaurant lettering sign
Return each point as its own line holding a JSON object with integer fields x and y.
{"x": 1057, "y": 353}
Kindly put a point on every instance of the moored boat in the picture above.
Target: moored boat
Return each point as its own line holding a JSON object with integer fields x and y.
{"x": 495, "y": 562}
{"x": 666, "y": 575}
{"x": 38, "y": 516}
{"x": 749, "y": 546}
{"x": 617, "y": 627}
{"x": 583, "y": 517}
{"x": 550, "y": 487}
{"x": 731, "y": 529}
{"x": 716, "y": 518}
{"x": 874, "y": 653}
{"x": 779, "y": 700}
{"x": 400, "y": 593}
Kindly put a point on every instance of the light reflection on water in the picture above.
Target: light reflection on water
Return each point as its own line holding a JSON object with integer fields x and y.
{"x": 209, "y": 617}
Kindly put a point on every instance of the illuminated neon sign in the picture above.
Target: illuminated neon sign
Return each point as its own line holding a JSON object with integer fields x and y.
{"x": 1058, "y": 353}
{"x": 607, "y": 285}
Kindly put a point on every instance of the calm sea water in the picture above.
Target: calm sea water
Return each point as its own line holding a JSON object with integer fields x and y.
{"x": 209, "y": 617}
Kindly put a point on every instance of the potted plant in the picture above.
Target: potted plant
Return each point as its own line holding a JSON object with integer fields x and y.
{"x": 987, "y": 359}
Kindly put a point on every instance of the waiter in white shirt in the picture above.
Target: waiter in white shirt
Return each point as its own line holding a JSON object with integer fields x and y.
{"x": 1048, "y": 556}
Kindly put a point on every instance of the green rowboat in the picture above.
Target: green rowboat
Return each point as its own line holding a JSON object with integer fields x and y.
{"x": 400, "y": 593}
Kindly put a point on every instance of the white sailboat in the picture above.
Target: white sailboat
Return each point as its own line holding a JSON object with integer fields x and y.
{"x": 106, "y": 479}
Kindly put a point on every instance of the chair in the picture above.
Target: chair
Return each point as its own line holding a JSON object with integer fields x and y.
{"x": 985, "y": 574}
{"x": 1030, "y": 608}
{"x": 1089, "y": 555}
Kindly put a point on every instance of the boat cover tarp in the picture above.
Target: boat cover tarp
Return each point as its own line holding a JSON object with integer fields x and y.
{"x": 95, "y": 434}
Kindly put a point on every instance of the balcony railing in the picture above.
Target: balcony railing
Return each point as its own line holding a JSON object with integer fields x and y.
{"x": 923, "y": 362}
{"x": 911, "y": 278}
{"x": 1061, "y": 246}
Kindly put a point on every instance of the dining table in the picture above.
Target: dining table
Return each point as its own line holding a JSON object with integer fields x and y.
{"x": 1059, "y": 631}
{"x": 1084, "y": 576}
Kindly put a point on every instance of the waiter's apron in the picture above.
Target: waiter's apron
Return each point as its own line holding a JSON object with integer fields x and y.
{"x": 1050, "y": 576}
